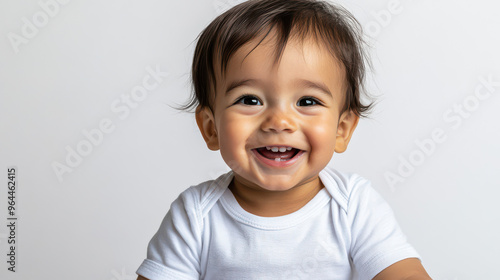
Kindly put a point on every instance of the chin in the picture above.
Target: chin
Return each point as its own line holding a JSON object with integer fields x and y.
{"x": 266, "y": 182}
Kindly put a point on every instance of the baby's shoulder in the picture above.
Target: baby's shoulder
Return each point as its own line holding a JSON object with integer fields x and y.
{"x": 344, "y": 186}
{"x": 204, "y": 195}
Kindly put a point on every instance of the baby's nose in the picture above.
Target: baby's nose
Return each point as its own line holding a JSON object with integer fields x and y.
{"x": 278, "y": 121}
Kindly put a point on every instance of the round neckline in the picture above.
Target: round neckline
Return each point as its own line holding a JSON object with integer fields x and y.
{"x": 234, "y": 209}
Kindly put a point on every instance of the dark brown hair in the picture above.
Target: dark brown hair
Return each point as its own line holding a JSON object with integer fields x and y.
{"x": 330, "y": 24}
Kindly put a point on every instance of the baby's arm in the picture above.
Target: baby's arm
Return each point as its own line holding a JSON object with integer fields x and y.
{"x": 379, "y": 249}
{"x": 173, "y": 252}
{"x": 407, "y": 269}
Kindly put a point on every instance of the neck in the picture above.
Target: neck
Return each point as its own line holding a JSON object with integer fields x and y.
{"x": 267, "y": 203}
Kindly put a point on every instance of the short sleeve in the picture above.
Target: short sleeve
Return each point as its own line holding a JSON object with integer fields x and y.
{"x": 376, "y": 238}
{"x": 173, "y": 252}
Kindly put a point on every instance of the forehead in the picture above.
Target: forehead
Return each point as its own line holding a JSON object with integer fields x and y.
{"x": 306, "y": 60}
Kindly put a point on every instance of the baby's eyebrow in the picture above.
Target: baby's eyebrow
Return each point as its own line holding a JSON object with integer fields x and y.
{"x": 314, "y": 85}
{"x": 299, "y": 82}
{"x": 238, "y": 83}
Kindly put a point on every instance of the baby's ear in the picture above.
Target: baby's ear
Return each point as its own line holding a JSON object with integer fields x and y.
{"x": 206, "y": 124}
{"x": 347, "y": 123}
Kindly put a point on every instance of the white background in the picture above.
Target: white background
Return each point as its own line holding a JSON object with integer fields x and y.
{"x": 96, "y": 222}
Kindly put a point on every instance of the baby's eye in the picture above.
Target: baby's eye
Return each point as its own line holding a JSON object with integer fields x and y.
{"x": 308, "y": 101}
{"x": 248, "y": 100}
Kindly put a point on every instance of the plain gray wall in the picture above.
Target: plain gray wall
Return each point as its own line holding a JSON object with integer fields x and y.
{"x": 68, "y": 67}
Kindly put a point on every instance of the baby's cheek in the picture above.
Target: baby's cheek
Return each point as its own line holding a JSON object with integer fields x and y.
{"x": 232, "y": 141}
{"x": 322, "y": 140}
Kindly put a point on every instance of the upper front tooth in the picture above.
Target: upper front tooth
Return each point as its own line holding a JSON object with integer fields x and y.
{"x": 288, "y": 148}
{"x": 275, "y": 149}
{"x": 282, "y": 149}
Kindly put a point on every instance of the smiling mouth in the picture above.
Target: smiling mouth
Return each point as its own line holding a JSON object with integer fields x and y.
{"x": 278, "y": 153}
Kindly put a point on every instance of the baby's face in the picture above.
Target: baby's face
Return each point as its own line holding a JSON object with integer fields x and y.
{"x": 278, "y": 125}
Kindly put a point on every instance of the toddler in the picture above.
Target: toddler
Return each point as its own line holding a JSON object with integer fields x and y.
{"x": 277, "y": 88}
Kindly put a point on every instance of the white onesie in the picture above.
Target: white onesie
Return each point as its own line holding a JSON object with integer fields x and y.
{"x": 347, "y": 231}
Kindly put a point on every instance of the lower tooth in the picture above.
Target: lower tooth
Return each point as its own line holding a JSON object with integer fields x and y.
{"x": 277, "y": 159}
